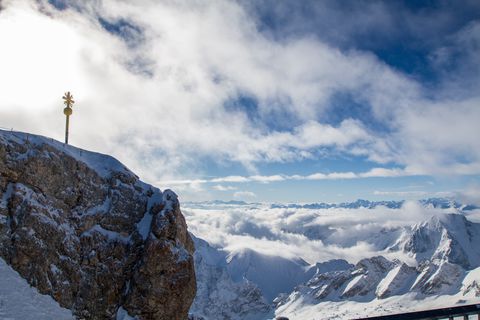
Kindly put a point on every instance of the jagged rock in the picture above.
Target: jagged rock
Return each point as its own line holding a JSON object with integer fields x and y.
{"x": 450, "y": 237}
{"x": 343, "y": 280}
{"x": 82, "y": 228}
{"x": 368, "y": 274}
{"x": 472, "y": 287}
{"x": 438, "y": 276}
{"x": 397, "y": 281}
{"x": 330, "y": 276}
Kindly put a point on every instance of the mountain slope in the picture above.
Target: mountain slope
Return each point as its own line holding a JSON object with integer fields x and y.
{"x": 449, "y": 237}
{"x": 447, "y": 254}
{"x": 272, "y": 274}
{"x": 18, "y": 300}
{"x": 218, "y": 295}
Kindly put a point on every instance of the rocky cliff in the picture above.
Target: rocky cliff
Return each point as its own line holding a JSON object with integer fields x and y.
{"x": 82, "y": 228}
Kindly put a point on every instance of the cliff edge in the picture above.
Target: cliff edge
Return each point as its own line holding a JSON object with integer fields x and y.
{"x": 81, "y": 227}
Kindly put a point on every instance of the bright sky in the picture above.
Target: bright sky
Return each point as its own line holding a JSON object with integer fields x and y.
{"x": 290, "y": 101}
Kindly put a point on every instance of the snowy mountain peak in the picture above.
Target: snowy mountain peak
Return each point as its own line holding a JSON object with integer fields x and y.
{"x": 449, "y": 237}
{"x": 446, "y": 250}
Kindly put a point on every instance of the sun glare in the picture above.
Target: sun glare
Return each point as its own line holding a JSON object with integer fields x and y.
{"x": 38, "y": 58}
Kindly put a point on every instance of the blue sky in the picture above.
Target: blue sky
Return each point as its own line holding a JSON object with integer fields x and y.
{"x": 295, "y": 101}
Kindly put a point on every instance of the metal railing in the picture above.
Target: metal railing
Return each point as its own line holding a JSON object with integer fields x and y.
{"x": 467, "y": 312}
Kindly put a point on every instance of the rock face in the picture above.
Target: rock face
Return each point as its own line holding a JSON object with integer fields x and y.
{"x": 449, "y": 238}
{"x": 82, "y": 228}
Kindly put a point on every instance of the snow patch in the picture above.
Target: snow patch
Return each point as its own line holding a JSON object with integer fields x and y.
{"x": 122, "y": 314}
{"x": 6, "y": 196}
{"x": 18, "y": 300}
{"x": 103, "y": 164}
{"x": 110, "y": 235}
{"x": 145, "y": 225}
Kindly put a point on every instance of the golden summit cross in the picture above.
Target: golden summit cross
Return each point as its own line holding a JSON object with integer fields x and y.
{"x": 68, "y": 101}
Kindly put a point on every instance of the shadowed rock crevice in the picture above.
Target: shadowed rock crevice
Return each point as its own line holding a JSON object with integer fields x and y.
{"x": 82, "y": 228}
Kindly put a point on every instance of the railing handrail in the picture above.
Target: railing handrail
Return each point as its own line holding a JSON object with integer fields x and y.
{"x": 466, "y": 310}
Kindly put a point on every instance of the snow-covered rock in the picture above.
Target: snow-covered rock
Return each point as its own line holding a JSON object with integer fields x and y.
{"x": 449, "y": 237}
{"x": 471, "y": 284}
{"x": 397, "y": 281}
{"x": 82, "y": 228}
{"x": 445, "y": 248}
{"x": 374, "y": 284}
{"x": 438, "y": 277}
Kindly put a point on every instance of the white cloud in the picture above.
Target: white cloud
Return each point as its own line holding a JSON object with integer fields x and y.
{"x": 470, "y": 195}
{"x": 416, "y": 194}
{"x": 159, "y": 106}
{"x": 242, "y": 195}
{"x": 372, "y": 173}
{"x": 328, "y": 176}
{"x": 266, "y": 179}
{"x": 220, "y": 187}
{"x": 401, "y": 193}
{"x": 230, "y": 179}
{"x": 385, "y": 172}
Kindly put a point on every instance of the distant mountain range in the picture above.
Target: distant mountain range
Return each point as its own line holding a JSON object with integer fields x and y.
{"x": 439, "y": 203}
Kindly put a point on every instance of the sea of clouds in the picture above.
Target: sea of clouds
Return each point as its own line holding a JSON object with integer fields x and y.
{"x": 312, "y": 234}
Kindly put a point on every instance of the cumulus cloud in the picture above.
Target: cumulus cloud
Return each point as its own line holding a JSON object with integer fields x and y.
{"x": 153, "y": 80}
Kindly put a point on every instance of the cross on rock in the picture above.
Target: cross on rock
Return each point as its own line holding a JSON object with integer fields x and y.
{"x": 68, "y": 101}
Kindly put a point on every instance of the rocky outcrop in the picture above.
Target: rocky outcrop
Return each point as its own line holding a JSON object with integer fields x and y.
{"x": 82, "y": 228}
